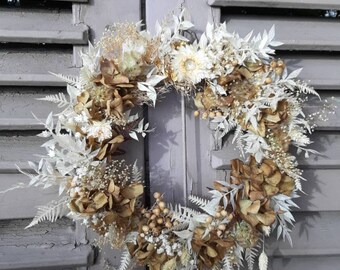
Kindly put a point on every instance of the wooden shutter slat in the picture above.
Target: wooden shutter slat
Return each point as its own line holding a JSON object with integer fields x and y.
{"x": 40, "y": 26}
{"x": 328, "y": 143}
{"x": 38, "y": 258}
{"x": 75, "y": 1}
{"x": 321, "y": 70}
{"x": 25, "y": 147}
{"x": 23, "y": 202}
{"x": 305, "y": 4}
{"x": 35, "y": 60}
{"x": 18, "y": 104}
{"x": 30, "y": 80}
{"x": 308, "y": 34}
{"x": 48, "y": 245}
{"x": 320, "y": 226}
{"x": 306, "y": 262}
{"x": 20, "y": 124}
{"x": 77, "y": 36}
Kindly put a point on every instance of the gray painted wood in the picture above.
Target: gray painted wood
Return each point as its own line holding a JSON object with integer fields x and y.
{"x": 22, "y": 203}
{"x": 78, "y": 36}
{"x": 18, "y": 104}
{"x": 171, "y": 170}
{"x": 28, "y": 65}
{"x": 26, "y": 59}
{"x": 98, "y": 14}
{"x": 320, "y": 70}
{"x": 25, "y": 65}
{"x": 40, "y": 26}
{"x": 74, "y": 1}
{"x": 317, "y": 246}
{"x": 316, "y": 241}
{"x": 25, "y": 147}
{"x": 175, "y": 145}
{"x": 49, "y": 246}
{"x": 308, "y": 34}
{"x": 305, "y": 4}
{"x": 327, "y": 143}
{"x": 30, "y": 80}
{"x": 306, "y": 262}
{"x": 166, "y": 148}
{"x": 311, "y": 229}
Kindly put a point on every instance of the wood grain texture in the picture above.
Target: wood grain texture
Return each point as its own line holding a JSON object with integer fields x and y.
{"x": 77, "y": 36}
{"x": 313, "y": 230}
{"x": 304, "y": 4}
{"x": 30, "y": 80}
{"x": 166, "y": 148}
{"x": 74, "y": 1}
{"x": 17, "y": 105}
{"x": 26, "y": 59}
{"x": 308, "y": 34}
{"x": 321, "y": 71}
{"x": 40, "y": 26}
{"x": 27, "y": 65}
{"x": 23, "y": 202}
{"x": 323, "y": 262}
{"x": 325, "y": 142}
{"x": 47, "y": 245}
{"x": 171, "y": 170}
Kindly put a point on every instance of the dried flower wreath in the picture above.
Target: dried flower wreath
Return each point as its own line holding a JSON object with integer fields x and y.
{"x": 236, "y": 83}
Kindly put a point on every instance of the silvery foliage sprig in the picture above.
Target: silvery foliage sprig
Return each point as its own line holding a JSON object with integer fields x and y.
{"x": 282, "y": 205}
{"x": 287, "y": 87}
{"x": 66, "y": 154}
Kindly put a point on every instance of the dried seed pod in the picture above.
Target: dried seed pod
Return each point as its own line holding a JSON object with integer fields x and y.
{"x": 157, "y": 195}
{"x": 145, "y": 228}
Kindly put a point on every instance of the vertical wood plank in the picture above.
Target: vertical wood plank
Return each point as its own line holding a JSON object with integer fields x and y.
{"x": 174, "y": 149}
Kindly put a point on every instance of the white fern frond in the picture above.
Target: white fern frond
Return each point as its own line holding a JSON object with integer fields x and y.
{"x": 71, "y": 80}
{"x": 298, "y": 184}
{"x": 250, "y": 255}
{"x": 306, "y": 89}
{"x": 125, "y": 260}
{"x": 59, "y": 99}
{"x": 226, "y": 263}
{"x": 136, "y": 173}
{"x": 50, "y": 212}
{"x": 183, "y": 214}
{"x": 201, "y": 202}
{"x": 263, "y": 261}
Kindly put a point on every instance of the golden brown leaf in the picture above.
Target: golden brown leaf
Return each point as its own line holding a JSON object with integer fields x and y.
{"x": 133, "y": 191}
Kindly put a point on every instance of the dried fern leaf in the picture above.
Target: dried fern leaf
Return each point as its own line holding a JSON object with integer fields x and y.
{"x": 51, "y": 212}
{"x": 125, "y": 260}
{"x": 59, "y": 99}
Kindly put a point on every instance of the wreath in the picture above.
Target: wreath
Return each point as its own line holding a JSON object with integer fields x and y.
{"x": 237, "y": 84}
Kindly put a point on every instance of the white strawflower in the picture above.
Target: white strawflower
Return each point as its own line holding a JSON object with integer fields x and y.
{"x": 100, "y": 130}
{"x": 190, "y": 64}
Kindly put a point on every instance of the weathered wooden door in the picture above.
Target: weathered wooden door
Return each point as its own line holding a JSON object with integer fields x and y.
{"x": 184, "y": 158}
{"x": 37, "y": 37}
